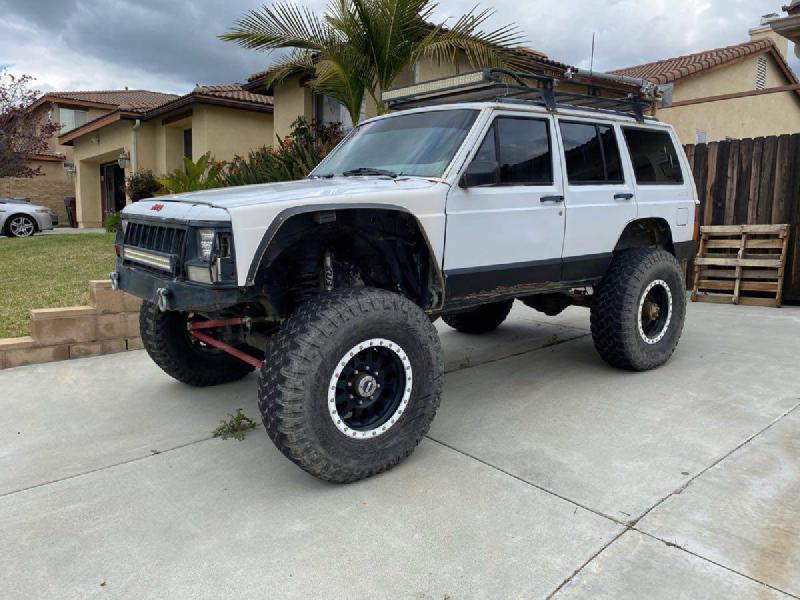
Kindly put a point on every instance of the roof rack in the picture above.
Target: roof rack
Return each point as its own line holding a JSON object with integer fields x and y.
{"x": 634, "y": 96}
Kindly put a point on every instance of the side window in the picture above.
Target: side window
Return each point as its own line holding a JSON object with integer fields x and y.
{"x": 655, "y": 160}
{"x": 524, "y": 151}
{"x": 591, "y": 153}
{"x": 515, "y": 151}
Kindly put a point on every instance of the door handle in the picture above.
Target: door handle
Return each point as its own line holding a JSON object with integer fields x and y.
{"x": 625, "y": 196}
{"x": 556, "y": 199}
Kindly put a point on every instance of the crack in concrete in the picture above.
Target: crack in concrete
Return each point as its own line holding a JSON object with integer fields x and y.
{"x": 103, "y": 468}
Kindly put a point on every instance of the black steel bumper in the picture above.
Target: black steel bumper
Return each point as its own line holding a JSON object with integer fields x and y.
{"x": 175, "y": 295}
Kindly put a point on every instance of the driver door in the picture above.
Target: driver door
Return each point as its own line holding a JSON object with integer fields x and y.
{"x": 505, "y": 219}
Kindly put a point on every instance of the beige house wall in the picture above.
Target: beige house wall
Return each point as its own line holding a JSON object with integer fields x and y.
{"x": 227, "y": 132}
{"x": 290, "y": 99}
{"x": 752, "y": 116}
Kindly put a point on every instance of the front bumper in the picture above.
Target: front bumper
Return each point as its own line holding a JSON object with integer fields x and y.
{"x": 177, "y": 295}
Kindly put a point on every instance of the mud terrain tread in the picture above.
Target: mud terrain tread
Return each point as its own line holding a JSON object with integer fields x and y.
{"x": 613, "y": 329}
{"x": 483, "y": 319}
{"x": 158, "y": 331}
{"x": 296, "y": 349}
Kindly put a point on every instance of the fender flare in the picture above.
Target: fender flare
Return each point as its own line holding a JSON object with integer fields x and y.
{"x": 286, "y": 214}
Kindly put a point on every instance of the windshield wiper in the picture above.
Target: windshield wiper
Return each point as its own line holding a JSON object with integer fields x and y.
{"x": 369, "y": 171}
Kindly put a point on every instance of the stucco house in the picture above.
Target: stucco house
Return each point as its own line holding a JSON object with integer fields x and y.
{"x": 742, "y": 91}
{"x": 223, "y": 120}
{"x": 294, "y": 97}
{"x": 71, "y": 110}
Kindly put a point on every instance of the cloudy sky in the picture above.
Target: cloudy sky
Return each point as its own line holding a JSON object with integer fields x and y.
{"x": 171, "y": 45}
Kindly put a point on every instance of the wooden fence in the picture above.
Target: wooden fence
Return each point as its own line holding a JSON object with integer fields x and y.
{"x": 749, "y": 182}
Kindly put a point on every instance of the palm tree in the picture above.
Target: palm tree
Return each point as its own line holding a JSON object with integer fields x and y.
{"x": 360, "y": 46}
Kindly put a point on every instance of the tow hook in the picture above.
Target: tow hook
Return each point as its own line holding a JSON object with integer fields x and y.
{"x": 163, "y": 295}
{"x": 114, "y": 277}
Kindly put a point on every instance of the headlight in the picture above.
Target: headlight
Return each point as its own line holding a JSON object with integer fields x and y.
{"x": 205, "y": 242}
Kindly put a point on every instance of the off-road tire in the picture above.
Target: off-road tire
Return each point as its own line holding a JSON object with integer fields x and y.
{"x": 304, "y": 354}
{"x": 167, "y": 341}
{"x": 616, "y": 310}
{"x": 479, "y": 320}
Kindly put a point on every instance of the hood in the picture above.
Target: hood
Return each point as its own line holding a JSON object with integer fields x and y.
{"x": 311, "y": 190}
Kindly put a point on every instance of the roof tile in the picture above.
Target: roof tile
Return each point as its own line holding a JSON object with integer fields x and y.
{"x": 673, "y": 69}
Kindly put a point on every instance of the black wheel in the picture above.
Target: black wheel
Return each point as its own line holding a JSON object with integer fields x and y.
{"x": 639, "y": 310}
{"x": 20, "y": 226}
{"x": 166, "y": 338}
{"x": 483, "y": 319}
{"x": 351, "y": 383}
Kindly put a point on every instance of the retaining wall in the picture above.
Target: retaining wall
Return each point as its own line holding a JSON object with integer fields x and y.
{"x": 110, "y": 324}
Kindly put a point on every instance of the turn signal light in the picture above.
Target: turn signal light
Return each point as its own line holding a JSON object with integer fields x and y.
{"x": 696, "y": 222}
{"x": 118, "y": 250}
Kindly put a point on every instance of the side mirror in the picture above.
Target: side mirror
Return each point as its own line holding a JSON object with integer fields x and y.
{"x": 479, "y": 173}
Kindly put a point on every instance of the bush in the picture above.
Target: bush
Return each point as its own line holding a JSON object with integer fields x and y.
{"x": 142, "y": 185}
{"x": 112, "y": 222}
{"x": 201, "y": 175}
{"x": 294, "y": 157}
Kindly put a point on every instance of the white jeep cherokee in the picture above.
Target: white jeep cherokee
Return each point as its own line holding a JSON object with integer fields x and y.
{"x": 329, "y": 286}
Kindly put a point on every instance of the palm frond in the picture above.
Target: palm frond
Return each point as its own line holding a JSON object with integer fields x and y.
{"x": 299, "y": 61}
{"x": 282, "y": 25}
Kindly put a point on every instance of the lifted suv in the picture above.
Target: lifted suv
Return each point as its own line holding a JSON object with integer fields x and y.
{"x": 329, "y": 286}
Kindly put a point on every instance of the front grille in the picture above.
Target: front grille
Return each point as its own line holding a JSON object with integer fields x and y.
{"x": 159, "y": 238}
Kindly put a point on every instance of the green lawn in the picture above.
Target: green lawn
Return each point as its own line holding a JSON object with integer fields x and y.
{"x": 48, "y": 271}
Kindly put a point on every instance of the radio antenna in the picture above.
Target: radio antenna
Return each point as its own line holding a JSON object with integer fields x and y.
{"x": 591, "y": 64}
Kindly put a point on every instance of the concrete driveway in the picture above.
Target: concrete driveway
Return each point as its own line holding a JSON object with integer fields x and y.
{"x": 545, "y": 472}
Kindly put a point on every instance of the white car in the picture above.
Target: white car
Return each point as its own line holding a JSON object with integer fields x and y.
{"x": 20, "y": 218}
{"x": 329, "y": 285}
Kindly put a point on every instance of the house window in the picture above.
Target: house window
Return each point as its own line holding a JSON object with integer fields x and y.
{"x": 71, "y": 118}
{"x": 761, "y": 73}
{"x": 327, "y": 111}
{"x": 187, "y": 143}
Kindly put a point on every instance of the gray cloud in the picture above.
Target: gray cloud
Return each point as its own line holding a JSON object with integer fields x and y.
{"x": 171, "y": 45}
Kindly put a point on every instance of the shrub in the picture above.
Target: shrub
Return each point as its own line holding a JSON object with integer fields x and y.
{"x": 293, "y": 158}
{"x": 112, "y": 222}
{"x": 201, "y": 175}
{"x": 141, "y": 185}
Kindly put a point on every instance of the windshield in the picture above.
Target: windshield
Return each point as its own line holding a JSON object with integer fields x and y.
{"x": 420, "y": 144}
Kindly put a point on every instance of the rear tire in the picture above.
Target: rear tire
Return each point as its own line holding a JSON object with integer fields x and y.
{"x": 483, "y": 319}
{"x": 639, "y": 310}
{"x": 167, "y": 341}
{"x": 351, "y": 383}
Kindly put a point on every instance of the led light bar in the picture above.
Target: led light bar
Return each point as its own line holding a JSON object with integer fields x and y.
{"x": 436, "y": 85}
{"x": 148, "y": 258}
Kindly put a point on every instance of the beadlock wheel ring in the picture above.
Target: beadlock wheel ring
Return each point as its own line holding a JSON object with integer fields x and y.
{"x": 398, "y": 407}
{"x": 662, "y": 296}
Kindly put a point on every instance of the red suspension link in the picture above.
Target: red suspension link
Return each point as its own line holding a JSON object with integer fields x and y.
{"x": 207, "y": 339}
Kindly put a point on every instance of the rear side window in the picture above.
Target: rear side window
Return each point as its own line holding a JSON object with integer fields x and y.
{"x": 655, "y": 160}
{"x": 517, "y": 151}
{"x": 591, "y": 154}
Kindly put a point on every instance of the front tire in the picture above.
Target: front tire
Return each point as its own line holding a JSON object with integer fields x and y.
{"x": 20, "y": 226}
{"x": 483, "y": 319}
{"x": 639, "y": 310}
{"x": 351, "y": 383}
{"x": 167, "y": 341}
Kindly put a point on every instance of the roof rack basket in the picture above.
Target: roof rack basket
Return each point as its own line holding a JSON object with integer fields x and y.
{"x": 627, "y": 95}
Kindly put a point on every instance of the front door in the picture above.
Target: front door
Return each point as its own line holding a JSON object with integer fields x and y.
{"x": 112, "y": 182}
{"x": 506, "y": 228}
{"x": 600, "y": 199}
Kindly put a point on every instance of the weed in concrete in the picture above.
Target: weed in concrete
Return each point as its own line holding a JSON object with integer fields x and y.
{"x": 236, "y": 426}
{"x": 553, "y": 340}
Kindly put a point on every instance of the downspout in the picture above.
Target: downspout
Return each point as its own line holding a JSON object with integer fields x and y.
{"x": 134, "y": 146}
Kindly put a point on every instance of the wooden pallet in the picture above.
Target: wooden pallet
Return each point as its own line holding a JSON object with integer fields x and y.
{"x": 741, "y": 264}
